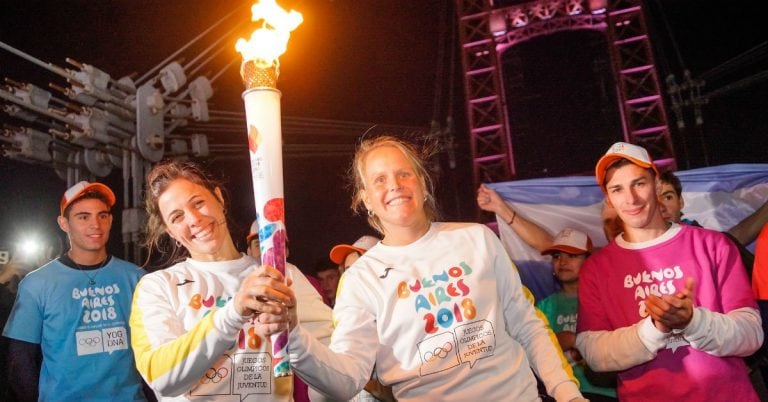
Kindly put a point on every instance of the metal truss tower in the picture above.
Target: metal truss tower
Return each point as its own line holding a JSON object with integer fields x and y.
{"x": 486, "y": 32}
{"x": 490, "y": 141}
{"x": 642, "y": 107}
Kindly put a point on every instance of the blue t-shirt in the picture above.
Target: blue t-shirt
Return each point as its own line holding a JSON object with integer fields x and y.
{"x": 82, "y": 330}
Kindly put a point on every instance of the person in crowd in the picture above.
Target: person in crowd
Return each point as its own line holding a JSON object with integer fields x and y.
{"x": 671, "y": 198}
{"x": 436, "y": 307}
{"x": 569, "y": 249}
{"x": 344, "y": 255}
{"x": 760, "y": 273}
{"x": 612, "y": 224}
{"x": 199, "y": 327}
{"x": 666, "y": 305}
{"x": 315, "y": 314}
{"x": 536, "y": 277}
{"x": 760, "y": 290}
{"x": 672, "y": 201}
{"x": 559, "y": 307}
{"x": 252, "y": 241}
{"x": 329, "y": 277}
{"x": 672, "y": 204}
{"x": 68, "y": 332}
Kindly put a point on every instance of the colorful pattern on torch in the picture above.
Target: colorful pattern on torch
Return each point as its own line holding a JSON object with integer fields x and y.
{"x": 262, "y": 110}
{"x": 272, "y": 238}
{"x": 260, "y": 69}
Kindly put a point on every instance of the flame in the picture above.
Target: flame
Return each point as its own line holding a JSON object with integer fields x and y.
{"x": 271, "y": 40}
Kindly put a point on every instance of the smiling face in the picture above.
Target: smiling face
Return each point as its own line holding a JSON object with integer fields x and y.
{"x": 393, "y": 190}
{"x": 632, "y": 191}
{"x": 567, "y": 266}
{"x": 194, "y": 217}
{"x": 87, "y": 225}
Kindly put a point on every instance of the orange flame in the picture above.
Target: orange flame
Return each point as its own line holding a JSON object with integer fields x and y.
{"x": 271, "y": 40}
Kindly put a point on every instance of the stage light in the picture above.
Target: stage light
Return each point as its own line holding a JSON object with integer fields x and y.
{"x": 598, "y": 6}
{"x": 30, "y": 247}
{"x": 498, "y": 23}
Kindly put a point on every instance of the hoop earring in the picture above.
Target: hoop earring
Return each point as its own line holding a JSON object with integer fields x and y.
{"x": 370, "y": 213}
{"x": 178, "y": 244}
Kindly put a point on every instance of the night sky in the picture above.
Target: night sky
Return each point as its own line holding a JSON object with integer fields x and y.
{"x": 385, "y": 62}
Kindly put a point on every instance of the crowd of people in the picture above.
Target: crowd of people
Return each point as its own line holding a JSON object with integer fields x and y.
{"x": 428, "y": 310}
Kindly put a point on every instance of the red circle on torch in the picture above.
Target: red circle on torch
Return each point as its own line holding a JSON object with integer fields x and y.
{"x": 274, "y": 210}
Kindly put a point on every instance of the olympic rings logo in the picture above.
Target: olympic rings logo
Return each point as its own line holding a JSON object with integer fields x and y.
{"x": 440, "y": 352}
{"x": 213, "y": 375}
{"x": 90, "y": 341}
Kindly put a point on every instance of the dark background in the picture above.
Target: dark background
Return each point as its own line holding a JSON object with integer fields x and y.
{"x": 391, "y": 62}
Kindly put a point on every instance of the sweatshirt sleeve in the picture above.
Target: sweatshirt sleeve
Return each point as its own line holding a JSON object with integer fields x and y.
{"x": 342, "y": 370}
{"x": 530, "y": 330}
{"x": 736, "y": 333}
{"x": 621, "y": 348}
{"x": 170, "y": 359}
{"x": 315, "y": 316}
{"x": 732, "y": 325}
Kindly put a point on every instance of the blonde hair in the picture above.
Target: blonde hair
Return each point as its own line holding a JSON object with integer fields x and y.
{"x": 417, "y": 161}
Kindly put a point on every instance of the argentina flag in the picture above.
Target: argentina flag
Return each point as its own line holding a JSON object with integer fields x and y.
{"x": 717, "y": 197}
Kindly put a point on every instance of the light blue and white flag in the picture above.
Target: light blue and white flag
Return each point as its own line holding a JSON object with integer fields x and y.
{"x": 717, "y": 197}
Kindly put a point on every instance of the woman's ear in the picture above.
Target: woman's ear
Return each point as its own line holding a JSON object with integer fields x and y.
{"x": 217, "y": 193}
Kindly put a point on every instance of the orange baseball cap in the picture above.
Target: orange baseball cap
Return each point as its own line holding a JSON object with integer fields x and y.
{"x": 622, "y": 150}
{"x": 340, "y": 251}
{"x": 79, "y": 189}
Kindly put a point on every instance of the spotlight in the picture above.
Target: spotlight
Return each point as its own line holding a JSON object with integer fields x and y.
{"x": 30, "y": 247}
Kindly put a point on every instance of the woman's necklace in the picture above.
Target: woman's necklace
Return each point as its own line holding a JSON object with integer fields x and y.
{"x": 91, "y": 279}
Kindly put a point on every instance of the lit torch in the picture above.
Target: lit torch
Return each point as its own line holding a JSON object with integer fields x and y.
{"x": 259, "y": 70}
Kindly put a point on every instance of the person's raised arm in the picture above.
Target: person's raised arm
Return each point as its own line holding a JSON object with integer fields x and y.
{"x": 531, "y": 233}
{"x": 746, "y": 231}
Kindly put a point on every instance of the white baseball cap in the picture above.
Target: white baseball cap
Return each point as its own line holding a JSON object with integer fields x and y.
{"x": 571, "y": 241}
{"x": 83, "y": 187}
{"x": 340, "y": 251}
{"x": 622, "y": 150}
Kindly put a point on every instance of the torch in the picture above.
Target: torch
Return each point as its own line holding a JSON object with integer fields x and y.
{"x": 259, "y": 70}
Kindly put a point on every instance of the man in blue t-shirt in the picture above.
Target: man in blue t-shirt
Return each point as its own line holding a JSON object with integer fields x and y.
{"x": 569, "y": 249}
{"x": 68, "y": 329}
